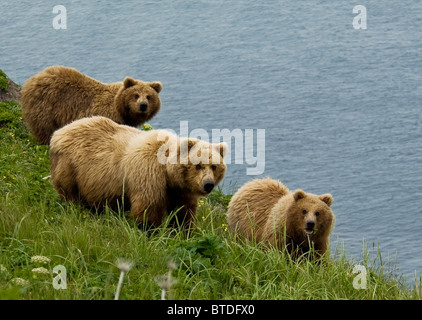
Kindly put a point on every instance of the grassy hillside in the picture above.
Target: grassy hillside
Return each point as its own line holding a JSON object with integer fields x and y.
{"x": 208, "y": 263}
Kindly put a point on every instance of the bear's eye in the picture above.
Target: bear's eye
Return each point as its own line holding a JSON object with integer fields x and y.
{"x": 136, "y": 96}
{"x": 148, "y": 97}
{"x": 198, "y": 167}
{"x": 304, "y": 212}
{"x": 213, "y": 168}
{"x": 316, "y": 214}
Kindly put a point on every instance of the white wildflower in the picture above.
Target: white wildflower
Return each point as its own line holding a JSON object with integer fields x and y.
{"x": 40, "y": 260}
{"x": 124, "y": 266}
{"x": 172, "y": 265}
{"x": 165, "y": 282}
{"x": 4, "y": 272}
{"x": 20, "y": 282}
{"x": 40, "y": 271}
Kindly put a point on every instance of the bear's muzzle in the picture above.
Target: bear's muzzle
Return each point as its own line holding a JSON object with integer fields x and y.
{"x": 143, "y": 106}
{"x": 208, "y": 186}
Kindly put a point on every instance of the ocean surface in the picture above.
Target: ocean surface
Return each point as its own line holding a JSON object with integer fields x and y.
{"x": 340, "y": 108}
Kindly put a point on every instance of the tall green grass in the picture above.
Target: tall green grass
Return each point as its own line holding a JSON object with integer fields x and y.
{"x": 4, "y": 83}
{"x": 211, "y": 263}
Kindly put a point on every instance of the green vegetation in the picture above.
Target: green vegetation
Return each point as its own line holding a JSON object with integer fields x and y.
{"x": 4, "y": 83}
{"x": 207, "y": 263}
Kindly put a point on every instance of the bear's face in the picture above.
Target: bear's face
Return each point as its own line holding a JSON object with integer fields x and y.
{"x": 202, "y": 178}
{"x": 310, "y": 215}
{"x": 200, "y": 166}
{"x": 139, "y": 101}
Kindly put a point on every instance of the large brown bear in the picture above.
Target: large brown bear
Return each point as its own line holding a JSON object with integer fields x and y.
{"x": 266, "y": 210}
{"x": 97, "y": 161}
{"x": 59, "y": 95}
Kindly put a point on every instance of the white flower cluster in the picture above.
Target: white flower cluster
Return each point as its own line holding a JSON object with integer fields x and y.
{"x": 40, "y": 271}
{"x": 20, "y": 282}
{"x": 4, "y": 272}
{"x": 40, "y": 260}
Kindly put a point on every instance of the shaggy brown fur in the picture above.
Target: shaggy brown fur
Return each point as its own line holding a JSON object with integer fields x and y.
{"x": 58, "y": 95}
{"x": 266, "y": 210}
{"x": 96, "y": 160}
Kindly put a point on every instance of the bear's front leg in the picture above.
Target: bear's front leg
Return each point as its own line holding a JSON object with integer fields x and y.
{"x": 145, "y": 213}
{"x": 320, "y": 247}
{"x": 182, "y": 205}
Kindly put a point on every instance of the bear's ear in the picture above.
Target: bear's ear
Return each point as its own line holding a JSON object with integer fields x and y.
{"x": 184, "y": 148}
{"x": 299, "y": 194}
{"x": 128, "y": 82}
{"x": 157, "y": 86}
{"x": 191, "y": 143}
{"x": 327, "y": 198}
{"x": 221, "y": 148}
{"x": 187, "y": 143}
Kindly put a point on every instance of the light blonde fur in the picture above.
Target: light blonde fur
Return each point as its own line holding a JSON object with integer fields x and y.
{"x": 266, "y": 210}
{"x": 96, "y": 160}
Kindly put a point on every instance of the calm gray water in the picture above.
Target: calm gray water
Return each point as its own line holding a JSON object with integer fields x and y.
{"x": 341, "y": 108}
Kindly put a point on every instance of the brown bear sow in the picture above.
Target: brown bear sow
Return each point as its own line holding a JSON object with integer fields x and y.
{"x": 266, "y": 210}
{"x": 59, "y": 95}
{"x": 97, "y": 161}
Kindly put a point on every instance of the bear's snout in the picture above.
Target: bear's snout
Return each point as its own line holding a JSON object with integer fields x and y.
{"x": 208, "y": 186}
{"x": 143, "y": 106}
{"x": 310, "y": 225}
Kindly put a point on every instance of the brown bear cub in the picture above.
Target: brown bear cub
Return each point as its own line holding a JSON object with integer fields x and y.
{"x": 266, "y": 210}
{"x": 59, "y": 95}
{"x": 153, "y": 172}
